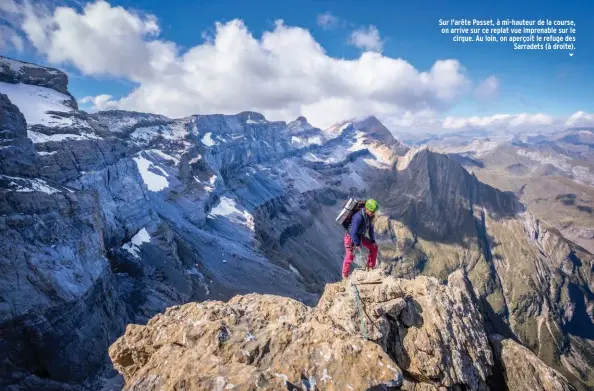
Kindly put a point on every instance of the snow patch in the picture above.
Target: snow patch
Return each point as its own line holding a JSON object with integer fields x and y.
{"x": 175, "y": 131}
{"x": 196, "y": 159}
{"x": 207, "y": 140}
{"x": 35, "y": 101}
{"x": 16, "y": 66}
{"x": 163, "y": 155}
{"x": 335, "y": 130}
{"x": 315, "y": 140}
{"x": 375, "y": 163}
{"x": 44, "y": 153}
{"x": 225, "y": 207}
{"x": 308, "y": 141}
{"x": 13, "y": 65}
{"x": 359, "y": 142}
{"x": 162, "y": 171}
{"x": 133, "y": 246}
{"x": 295, "y": 271}
{"x": 145, "y": 134}
{"x": 39, "y": 138}
{"x": 228, "y": 208}
{"x": 154, "y": 182}
{"x": 27, "y": 185}
{"x": 310, "y": 157}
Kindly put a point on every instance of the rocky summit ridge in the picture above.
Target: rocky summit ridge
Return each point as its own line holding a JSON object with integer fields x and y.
{"x": 419, "y": 335}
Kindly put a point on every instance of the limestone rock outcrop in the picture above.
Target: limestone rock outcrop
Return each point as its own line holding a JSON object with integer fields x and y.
{"x": 374, "y": 332}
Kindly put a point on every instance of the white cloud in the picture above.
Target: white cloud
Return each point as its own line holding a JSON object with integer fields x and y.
{"x": 487, "y": 89}
{"x": 9, "y": 7}
{"x": 283, "y": 74}
{"x": 498, "y": 121}
{"x": 101, "y": 40}
{"x": 367, "y": 39}
{"x": 100, "y": 102}
{"x": 10, "y": 39}
{"x": 431, "y": 122}
{"x": 580, "y": 119}
{"x": 328, "y": 21}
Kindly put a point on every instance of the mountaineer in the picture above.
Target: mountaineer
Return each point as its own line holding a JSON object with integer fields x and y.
{"x": 361, "y": 223}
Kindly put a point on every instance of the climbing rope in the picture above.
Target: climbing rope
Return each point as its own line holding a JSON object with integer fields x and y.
{"x": 360, "y": 310}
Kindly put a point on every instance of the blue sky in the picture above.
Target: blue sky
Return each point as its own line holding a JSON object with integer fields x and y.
{"x": 528, "y": 81}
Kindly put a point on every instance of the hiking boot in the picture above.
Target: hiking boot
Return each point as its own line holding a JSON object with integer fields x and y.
{"x": 345, "y": 281}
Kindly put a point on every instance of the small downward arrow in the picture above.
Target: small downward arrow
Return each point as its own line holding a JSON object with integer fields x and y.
{"x": 571, "y": 54}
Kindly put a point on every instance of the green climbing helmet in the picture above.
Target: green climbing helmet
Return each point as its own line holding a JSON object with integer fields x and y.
{"x": 371, "y": 204}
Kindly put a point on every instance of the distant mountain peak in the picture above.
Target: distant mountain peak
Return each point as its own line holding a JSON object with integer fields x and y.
{"x": 376, "y": 130}
{"x": 299, "y": 125}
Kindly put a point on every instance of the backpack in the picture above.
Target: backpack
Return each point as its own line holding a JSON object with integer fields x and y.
{"x": 349, "y": 209}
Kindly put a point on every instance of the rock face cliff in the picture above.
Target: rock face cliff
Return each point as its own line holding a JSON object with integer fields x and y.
{"x": 405, "y": 334}
{"x": 108, "y": 219}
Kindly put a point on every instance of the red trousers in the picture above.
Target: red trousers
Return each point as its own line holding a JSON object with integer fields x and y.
{"x": 350, "y": 254}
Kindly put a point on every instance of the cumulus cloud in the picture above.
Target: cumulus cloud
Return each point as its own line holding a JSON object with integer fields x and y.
{"x": 487, "y": 89}
{"x": 367, "y": 39}
{"x": 100, "y": 102}
{"x": 283, "y": 74}
{"x": 580, "y": 120}
{"x": 328, "y": 21}
{"x": 100, "y": 40}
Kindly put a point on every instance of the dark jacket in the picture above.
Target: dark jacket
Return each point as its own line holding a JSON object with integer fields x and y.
{"x": 360, "y": 225}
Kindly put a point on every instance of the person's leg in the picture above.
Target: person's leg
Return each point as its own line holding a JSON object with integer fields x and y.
{"x": 349, "y": 256}
{"x": 372, "y": 247}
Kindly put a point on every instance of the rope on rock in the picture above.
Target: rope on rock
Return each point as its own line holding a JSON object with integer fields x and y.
{"x": 360, "y": 310}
